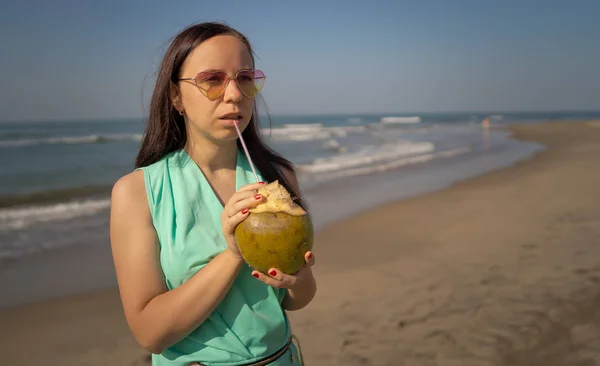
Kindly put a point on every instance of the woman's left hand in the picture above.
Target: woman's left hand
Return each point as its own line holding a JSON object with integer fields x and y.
{"x": 278, "y": 279}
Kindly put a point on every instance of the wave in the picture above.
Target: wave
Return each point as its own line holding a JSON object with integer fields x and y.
{"x": 310, "y": 131}
{"x": 391, "y": 165}
{"x": 22, "y": 217}
{"x": 393, "y": 119}
{"x": 339, "y": 151}
{"x": 52, "y": 196}
{"x": 366, "y": 156}
{"x": 287, "y": 132}
{"x": 23, "y": 210}
{"x": 358, "y": 163}
{"x": 67, "y": 140}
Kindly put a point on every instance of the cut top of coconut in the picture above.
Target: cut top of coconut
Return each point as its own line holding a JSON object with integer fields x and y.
{"x": 277, "y": 199}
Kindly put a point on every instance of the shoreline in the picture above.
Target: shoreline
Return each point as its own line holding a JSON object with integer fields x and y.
{"x": 80, "y": 243}
{"x": 444, "y": 275}
{"x": 48, "y": 220}
{"x": 62, "y": 253}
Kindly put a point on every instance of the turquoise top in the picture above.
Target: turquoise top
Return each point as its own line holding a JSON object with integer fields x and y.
{"x": 249, "y": 323}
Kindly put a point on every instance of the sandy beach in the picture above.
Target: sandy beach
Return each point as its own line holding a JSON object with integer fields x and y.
{"x": 501, "y": 269}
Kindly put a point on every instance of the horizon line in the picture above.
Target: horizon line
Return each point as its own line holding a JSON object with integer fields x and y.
{"x": 292, "y": 114}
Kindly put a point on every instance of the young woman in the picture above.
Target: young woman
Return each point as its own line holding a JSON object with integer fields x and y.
{"x": 188, "y": 296}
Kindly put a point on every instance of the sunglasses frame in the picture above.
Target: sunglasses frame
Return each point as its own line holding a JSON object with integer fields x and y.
{"x": 226, "y": 84}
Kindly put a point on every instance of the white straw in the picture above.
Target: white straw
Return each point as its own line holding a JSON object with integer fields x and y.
{"x": 246, "y": 151}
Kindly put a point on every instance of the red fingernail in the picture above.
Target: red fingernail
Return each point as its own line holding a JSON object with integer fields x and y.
{"x": 255, "y": 275}
{"x": 244, "y": 211}
{"x": 261, "y": 183}
{"x": 257, "y": 197}
{"x": 273, "y": 272}
{"x": 309, "y": 255}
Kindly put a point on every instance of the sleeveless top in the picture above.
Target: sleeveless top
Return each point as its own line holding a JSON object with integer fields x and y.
{"x": 249, "y": 323}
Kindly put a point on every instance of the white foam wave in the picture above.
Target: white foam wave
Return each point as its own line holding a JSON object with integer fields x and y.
{"x": 366, "y": 156}
{"x": 334, "y": 145}
{"x": 390, "y": 165}
{"x": 393, "y": 119}
{"x": 18, "y": 218}
{"x": 89, "y": 139}
{"x": 309, "y": 131}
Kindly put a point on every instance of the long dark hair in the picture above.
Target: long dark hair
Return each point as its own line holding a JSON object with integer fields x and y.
{"x": 165, "y": 130}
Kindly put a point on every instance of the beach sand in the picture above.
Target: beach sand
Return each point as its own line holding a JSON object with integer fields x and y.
{"x": 501, "y": 269}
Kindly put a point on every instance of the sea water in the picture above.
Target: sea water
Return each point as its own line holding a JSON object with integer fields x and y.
{"x": 55, "y": 176}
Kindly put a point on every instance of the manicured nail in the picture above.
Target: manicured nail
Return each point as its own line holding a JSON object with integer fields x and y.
{"x": 244, "y": 211}
{"x": 273, "y": 272}
{"x": 309, "y": 255}
{"x": 261, "y": 183}
{"x": 257, "y": 196}
{"x": 255, "y": 275}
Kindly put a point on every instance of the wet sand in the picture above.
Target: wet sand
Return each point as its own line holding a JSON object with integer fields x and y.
{"x": 502, "y": 269}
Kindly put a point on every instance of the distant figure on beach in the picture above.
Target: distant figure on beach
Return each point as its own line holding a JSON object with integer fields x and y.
{"x": 485, "y": 123}
{"x": 188, "y": 296}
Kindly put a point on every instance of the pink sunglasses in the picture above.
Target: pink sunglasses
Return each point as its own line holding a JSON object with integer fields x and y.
{"x": 213, "y": 83}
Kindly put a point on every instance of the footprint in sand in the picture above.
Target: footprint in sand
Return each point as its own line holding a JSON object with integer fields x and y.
{"x": 529, "y": 252}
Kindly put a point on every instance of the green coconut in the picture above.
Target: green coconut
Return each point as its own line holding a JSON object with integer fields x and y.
{"x": 276, "y": 234}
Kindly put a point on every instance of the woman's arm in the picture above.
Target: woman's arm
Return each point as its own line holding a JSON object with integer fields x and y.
{"x": 302, "y": 289}
{"x": 159, "y": 318}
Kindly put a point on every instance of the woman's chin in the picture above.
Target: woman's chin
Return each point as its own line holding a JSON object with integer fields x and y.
{"x": 226, "y": 135}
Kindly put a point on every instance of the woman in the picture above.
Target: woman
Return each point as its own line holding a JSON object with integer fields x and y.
{"x": 188, "y": 296}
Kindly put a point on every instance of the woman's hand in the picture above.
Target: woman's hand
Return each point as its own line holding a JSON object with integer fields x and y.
{"x": 278, "y": 279}
{"x": 236, "y": 210}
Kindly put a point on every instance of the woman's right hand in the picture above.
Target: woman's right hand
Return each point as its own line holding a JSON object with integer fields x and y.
{"x": 236, "y": 210}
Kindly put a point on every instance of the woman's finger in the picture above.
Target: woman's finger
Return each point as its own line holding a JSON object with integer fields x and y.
{"x": 267, "y": 279}
{"x": 251, "y": 187}
{"x": 285, "y": 279}
{"x": 239, "y": 196}
{"x": 237, "y": 217}
{"x": 309, "y": 257}
{"x": 248, "y": 200}
{"x": 276, "y": 278}
{"x": 251, "y": 201}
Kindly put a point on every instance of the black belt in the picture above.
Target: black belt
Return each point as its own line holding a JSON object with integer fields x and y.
{"x": 262, "y": 362}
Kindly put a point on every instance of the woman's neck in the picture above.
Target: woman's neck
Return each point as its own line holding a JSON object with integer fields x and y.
{"x": 210, "y": 156}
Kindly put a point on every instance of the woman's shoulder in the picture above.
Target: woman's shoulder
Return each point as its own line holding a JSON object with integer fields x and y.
{"x": 129, "y": 188}
{"x": 138, "y": 188}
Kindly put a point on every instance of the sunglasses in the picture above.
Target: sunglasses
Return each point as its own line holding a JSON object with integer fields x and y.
{"x": 213, "y": 83}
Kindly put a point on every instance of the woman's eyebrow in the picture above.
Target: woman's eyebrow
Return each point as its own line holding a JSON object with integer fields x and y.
{"x": 218, "y": 70}
{"x": 211, "y": 70}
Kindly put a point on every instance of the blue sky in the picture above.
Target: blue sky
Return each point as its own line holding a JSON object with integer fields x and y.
{"x": 96, "y": 59}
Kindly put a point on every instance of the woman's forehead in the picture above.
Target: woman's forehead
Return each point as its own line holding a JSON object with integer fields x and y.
{"x": 225, "y": 53}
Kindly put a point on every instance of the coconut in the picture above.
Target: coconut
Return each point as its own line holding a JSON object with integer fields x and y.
{"x": 276, "y": 234}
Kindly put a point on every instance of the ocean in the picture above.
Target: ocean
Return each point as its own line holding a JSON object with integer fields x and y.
{"x": 55, "y": 177}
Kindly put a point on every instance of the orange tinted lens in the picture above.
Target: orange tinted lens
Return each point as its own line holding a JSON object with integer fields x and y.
{"x": 215, "y": 92}
{"x": 251, "y": 82}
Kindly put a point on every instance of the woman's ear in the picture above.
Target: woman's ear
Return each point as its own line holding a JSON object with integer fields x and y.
{"x": 175, "y": 95}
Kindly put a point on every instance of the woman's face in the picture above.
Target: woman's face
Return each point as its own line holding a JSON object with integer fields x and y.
{"x": 214, "y": 119}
